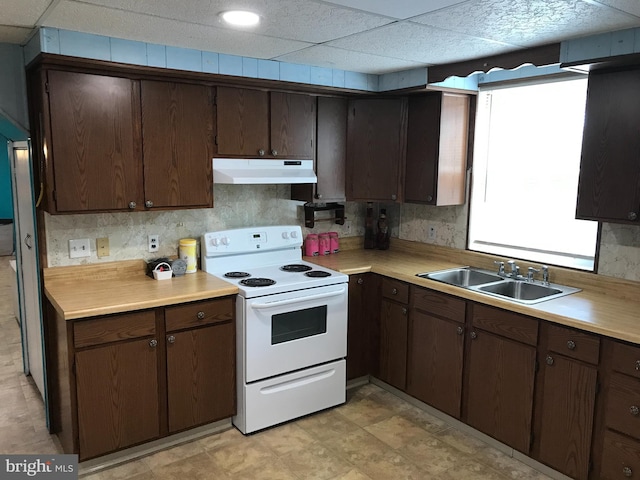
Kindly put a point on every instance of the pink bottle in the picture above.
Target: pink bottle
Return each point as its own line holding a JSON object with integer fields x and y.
{"x": 311, "y": 247}
{"x": 324, "y": 244}
{"x": 334, "y": 242}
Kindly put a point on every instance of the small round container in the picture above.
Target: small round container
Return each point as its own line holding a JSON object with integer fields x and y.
{"x": 311, "y": 245}
{"x": 188, "y": 253}
{"x": 334, "y": 243}
{"x": 162, "y": 271}
{"x": 324, "y": 244}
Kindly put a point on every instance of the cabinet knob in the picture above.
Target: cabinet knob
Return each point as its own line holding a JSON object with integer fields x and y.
{"x": 148, "y": 204}
{"x": 318, "y": 195}
{"x": 549, "y": 360}
{"x": 473, "y": 335}
{"x": 200, "y": 315}
{"x": 394, "y": 291}
{"x": 153, "y": 343}
{"x": 360, "y": 281}
{"x": 261, "y": 152}
{"x": 404, "y": 310}
{"x": 459, "y": 330}
{"x": 171, "y": 339}
{"x": 571, "y": 345}
{"x": 132, "y": 205}
{"x": 634, "y": 410}
{"x": 637, "y": 364}
{"x": 274, "y": 153}
{"x": 393, "y": 197}
{"x": 429, "y": 198}
{"x": 627, "y": 472}
{"x": 632, "y": 216}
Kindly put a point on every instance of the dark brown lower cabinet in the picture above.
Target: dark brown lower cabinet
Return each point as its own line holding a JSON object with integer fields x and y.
{"x": 620, "y": 457}
{"x": 393, "y": 343}
{"x": 117, "y": 389}
{"x": 364, "y": 325}
{"x": 567, "y": 413}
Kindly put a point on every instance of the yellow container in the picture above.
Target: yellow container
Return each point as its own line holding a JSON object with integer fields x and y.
{"x": 188, "y": 253}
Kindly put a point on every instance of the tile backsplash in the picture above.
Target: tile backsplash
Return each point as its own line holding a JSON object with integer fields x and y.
{"x": 255, "y": 205}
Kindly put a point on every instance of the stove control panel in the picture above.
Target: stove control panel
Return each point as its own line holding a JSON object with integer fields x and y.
{"x": 246, "y": 240}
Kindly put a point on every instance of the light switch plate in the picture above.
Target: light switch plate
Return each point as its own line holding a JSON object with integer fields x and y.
{"x": 79, "y": 248}
{"x": 102, "y": 247}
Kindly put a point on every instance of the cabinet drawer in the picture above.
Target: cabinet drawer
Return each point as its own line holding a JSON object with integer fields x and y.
{"x": 114, "y": 328}
{"x": 623, "y": 405}
{"x": 438, "y": 304}
{"x": 395, "y": 290}
{"x": 626, "y": 359}
{"x": 510, "y": 325}
{"x": 620, "y": 457}
{"x": 200, "y": 313}
{"x": 573, "y": 343}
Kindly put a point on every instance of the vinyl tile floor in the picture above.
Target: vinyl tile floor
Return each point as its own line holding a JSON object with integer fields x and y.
{"x": 374, "y": 435}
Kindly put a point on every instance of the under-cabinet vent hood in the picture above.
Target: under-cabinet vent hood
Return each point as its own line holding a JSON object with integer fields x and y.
{"x": 254, "y": 171}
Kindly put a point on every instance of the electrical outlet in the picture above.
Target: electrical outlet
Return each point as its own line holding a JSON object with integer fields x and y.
{"x": 79, "y": 248}
{"x": 154, "y": 243}
{"x": 102, "y": 247}
{"x": 432, "y": 232}
{"x": 347, "y": 227}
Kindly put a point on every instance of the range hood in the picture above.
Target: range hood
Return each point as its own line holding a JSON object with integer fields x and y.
{"x": 254, "y": 171}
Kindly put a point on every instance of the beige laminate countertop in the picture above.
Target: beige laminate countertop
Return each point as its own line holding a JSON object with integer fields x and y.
{"x": 101, "y": 289}
{"x": 594, "y": 309}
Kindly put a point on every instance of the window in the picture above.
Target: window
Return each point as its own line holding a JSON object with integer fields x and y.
{"x": 525, "y": 174}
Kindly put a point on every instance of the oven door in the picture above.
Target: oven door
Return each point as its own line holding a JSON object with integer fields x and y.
{"x": 294, "y": 330}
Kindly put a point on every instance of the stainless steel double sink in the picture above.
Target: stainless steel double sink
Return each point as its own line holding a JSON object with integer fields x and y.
{"x": 490, "y": 283}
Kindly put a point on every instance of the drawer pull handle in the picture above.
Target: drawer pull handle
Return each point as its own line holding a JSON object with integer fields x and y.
{"x": 571, "y": 345}
{"x": 634, "y": 410}
{"x": 549, "y": 360}
{"x": 459, "y": 330}
{"x": 360, "y": 281}
{"x": 171, "y": 339}
{"x": 627, "y": 472}
{"x": 200, "y": 315}
{"x": 394, "y": 291}
{"x": 638, "y": 365}
{"x": 404, "y": 310}
{"x": 473, "y": 335}
{"x": 132, "y": 205}
{"x": 153, "y": 343}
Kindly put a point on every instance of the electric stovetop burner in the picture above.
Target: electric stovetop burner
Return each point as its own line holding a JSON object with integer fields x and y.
{"x": 257, "y": 282}
{"x": 295, "y": 268}
{"x": 237, "y": 274}
{"x": 317, "y": 274}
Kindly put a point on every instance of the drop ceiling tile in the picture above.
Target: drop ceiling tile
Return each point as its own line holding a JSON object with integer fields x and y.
{"x": 400, "y": 9}
{"x": 337, "y": 58}
{"x": 534, "y": 22}
{"x": 420, "y": 43}
{"x": 133, "y": 26}
{"x": 23, "y": 13}
{"x": 17, "y": 35}
{"x": 303, "y": 20}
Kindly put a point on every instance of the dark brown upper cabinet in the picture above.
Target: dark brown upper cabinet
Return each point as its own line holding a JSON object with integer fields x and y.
{"x": 609, "y": 184}
{"x": 261, "y": 124}
{"x": 376, "y": 147}
{"x": 177, "y": 133}
{"x": 437, "y": 133}
{"x": 331, "y": 154}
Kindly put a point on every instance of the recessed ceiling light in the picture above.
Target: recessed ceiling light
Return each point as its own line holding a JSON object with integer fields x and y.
{"x": 240, "y": 18}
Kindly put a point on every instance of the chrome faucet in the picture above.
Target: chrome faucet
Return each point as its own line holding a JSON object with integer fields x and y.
{"x": 501, "y": 272}
{"x": 515, "y": 270}
{"x": 545, "y": 274}
{"x": 530, "y": 273}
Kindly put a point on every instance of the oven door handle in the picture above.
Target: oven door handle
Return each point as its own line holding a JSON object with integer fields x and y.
{"x": 290, "y": 301}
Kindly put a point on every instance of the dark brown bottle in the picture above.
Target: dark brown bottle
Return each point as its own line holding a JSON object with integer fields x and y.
{"x": 384, "y": 234}
{"x": 369, "y": 232}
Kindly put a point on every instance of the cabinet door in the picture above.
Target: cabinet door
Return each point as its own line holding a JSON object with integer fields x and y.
{"x": 499, "y": 398}
{"x": 331, "y": 152}
{"x": 609, "y": 184}
{"x": 435, "y": 362}
{"x": 293, "y": 121}
{"x": 376, "y": 145}
{"x": 437, "y": 132}
{"x": 117, "y": 393}
{"x": 393, "y": 343}
{"x": 242, "y": 122}
{"x": 201, "y": 375}
{"x": 364, "y": 311}
{"x": 177, "y": 133}
{"x": 95, "y": 144}
{"x": 567, "y": 406}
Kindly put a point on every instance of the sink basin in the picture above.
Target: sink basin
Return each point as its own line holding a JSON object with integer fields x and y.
{"x": 490, "y": 283}
{"x": 462, "y": 277}
{"x": 524, "y": 292}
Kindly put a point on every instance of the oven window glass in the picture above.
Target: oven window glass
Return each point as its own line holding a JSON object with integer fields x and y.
{"x": 299, "y": 324}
